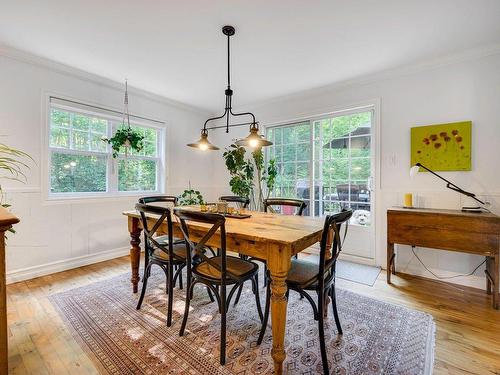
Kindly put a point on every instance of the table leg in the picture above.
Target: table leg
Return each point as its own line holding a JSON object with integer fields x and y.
{"x": 278, "y": 264}
{"x": 390, "y": 261}
{"x": 135, "y": 250}
{"x": 496, "y": 280}
{"x": 492, "y": 279}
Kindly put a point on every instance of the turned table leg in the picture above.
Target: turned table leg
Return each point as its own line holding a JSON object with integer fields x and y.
{"x": 492, "y": 278}
{"x": 278, "y": 264}
{"x": 135, "y": 250}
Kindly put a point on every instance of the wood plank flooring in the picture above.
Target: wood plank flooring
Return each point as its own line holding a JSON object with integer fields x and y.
{"x": 467, "y": 334}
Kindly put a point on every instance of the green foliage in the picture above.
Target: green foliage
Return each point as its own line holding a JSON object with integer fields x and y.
{"x": 12, "y": 165}
{"x": 124, "y": 137}
{"x": 190, "y": 197}
{"x": 242, "y": 172}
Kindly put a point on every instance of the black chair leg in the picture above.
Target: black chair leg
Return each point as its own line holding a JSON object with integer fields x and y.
{"x": 144, "y": 286}
{"x": 265, "y": 275}
{"x": 238, "y": 295}
{"x": 210, "y": 295}
{"x": 255, "y": 287}
{"x": 189, "y": 288}
{"x": 170, "y": 294}
{"x": 334, "y": 308}
{"x": 180, "y": 279}
{"x": 321, "y": 327}
{"x": 266, "y": 315}
{"x": 223, "y": 310}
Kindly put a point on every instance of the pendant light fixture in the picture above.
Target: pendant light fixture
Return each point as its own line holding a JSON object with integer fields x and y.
{"x": 253, "y": 140}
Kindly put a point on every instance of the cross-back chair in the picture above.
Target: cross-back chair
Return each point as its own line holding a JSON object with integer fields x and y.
{"x": 269, "y": 203}
{"x": 216, "y": 273}
{"x": 242, "y": 201}
{"x": 318, "y": 277}
{"x": 162, "y": 251}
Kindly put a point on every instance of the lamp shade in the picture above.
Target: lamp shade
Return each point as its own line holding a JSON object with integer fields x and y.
{"x": 254, "y": 139}
{"x": 203, "y": 143}
{"x": 414, "y": 170}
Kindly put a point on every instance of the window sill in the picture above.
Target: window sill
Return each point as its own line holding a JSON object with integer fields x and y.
{"x": 58, "y": 200}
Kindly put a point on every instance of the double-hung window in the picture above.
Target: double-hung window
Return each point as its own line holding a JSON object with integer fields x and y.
{"x": 81, "y": 164}
{"x": 327, "y": 161}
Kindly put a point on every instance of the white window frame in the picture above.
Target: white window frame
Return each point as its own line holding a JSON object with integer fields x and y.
{"x": 111, "y": 163}
{"x": 372, "y": 106}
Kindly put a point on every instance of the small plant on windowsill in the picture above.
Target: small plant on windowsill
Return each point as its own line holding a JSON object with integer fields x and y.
{"x": 190, "y": 197}
{"x": 125, "y": 137}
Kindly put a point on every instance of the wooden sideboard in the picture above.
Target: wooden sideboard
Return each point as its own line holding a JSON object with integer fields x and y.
{"x": 6, "y": 222}
{"x": 453, "y": 230}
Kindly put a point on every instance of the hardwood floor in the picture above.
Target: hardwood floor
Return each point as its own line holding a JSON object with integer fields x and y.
{"x": 467, "y": 334}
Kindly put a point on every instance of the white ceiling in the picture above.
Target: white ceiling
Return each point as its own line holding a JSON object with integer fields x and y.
{"x": 176, "y": 49}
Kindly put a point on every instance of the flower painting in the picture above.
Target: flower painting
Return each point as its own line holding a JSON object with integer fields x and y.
{"x": 443, "y": 147}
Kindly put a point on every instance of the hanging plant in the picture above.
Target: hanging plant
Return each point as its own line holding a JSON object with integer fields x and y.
{"x": 125, "y": 137}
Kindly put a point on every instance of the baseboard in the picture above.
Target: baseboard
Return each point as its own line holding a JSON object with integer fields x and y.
{"x": 314, "y": 250}
{"x": 63, "y": 265}
{"x": 473, "y": 281}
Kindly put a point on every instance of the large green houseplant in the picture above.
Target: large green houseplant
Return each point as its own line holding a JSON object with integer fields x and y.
{"x": 13, "y": 162}
{"x": 250, "y": 174}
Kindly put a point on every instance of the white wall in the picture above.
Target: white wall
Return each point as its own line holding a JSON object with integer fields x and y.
{"x": 54, "y": 236}
{"x": 465, "y": 89}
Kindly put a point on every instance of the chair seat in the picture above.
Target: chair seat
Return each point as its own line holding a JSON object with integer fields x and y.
{"x": 238, "y": 267}
{"x": 163, "y": 240}
{"x": 178, "y": 248}
{"x": 302, "y": 272}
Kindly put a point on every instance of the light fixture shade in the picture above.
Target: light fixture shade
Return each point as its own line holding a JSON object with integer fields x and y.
{"x": 203, "y": 143}
{"x": 414, "y": 170}
{"x": 254, "y": 139}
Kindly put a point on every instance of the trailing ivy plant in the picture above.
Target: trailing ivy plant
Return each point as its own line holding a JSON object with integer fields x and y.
{"x": 13, "y": 162}
{"x": 125, "y": 137}
{"x": 250, "y": 174}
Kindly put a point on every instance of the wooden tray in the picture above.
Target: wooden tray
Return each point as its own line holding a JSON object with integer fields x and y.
{"x": 240, "y": 216}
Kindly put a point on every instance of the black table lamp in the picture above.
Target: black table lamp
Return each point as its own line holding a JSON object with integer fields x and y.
{"x": 452, "y": 186}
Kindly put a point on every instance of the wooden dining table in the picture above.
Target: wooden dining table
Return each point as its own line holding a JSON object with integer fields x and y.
{"x": 271, "y": 237}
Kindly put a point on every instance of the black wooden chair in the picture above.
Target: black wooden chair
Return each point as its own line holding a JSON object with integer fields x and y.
{"x": 162, "y": 201}
{"x": 159, "y": 198}
{"x": 242, "y": 201}
{"x": 215, "y": 273}
{"x": 270, "y": 203}
{"x": 162, "y": 251}
{"x": 320, "y": 278}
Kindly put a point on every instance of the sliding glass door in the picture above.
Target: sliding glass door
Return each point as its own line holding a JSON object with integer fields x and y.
{"x": 328, "y": 161}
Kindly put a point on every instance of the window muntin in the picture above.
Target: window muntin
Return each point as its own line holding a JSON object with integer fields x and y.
{"x": 80, "y": 162}
{"x": 334, "y": 155}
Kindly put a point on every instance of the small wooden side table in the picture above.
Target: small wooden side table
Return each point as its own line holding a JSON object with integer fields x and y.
{"x": 453, "y": 230}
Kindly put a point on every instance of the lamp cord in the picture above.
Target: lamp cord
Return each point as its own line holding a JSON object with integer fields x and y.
{"x": 445, "y": 277}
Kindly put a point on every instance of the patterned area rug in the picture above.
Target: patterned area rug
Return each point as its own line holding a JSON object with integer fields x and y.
{"x": 379, "y": 338}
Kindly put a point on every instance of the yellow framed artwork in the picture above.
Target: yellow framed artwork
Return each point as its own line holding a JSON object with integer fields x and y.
{"x": 442, "y": 147}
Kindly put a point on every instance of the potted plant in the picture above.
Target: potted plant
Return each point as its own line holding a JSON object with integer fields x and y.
{"x": 125, "y": 138}
{"x": 190, "y": 197}
{"x": 12, "y": 164}
{"x": 248, "y": 174}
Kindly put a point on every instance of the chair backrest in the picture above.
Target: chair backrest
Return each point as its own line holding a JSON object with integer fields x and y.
{"x": 236, "y": 199}
{"x": 196, "y": 248}
{"x": 331, "y": 236}
{"x": 159, "y": 198}
{"x": 300, "y": 204}
{"x": 151, "y": 224}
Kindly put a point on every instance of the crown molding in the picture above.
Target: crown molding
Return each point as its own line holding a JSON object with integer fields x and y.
{"x": 402, "y": 71}
{"x": 29, "y": 58}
